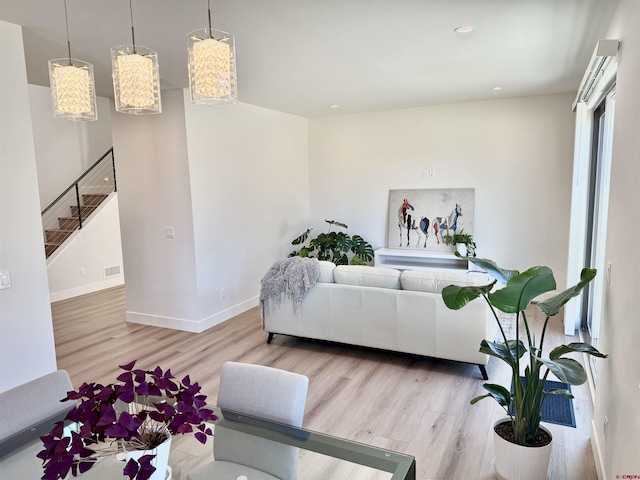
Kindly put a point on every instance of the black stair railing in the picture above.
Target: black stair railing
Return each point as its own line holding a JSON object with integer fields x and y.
{"x": 70, "y": 210}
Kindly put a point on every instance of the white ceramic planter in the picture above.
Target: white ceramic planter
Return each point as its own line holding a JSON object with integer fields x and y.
{"x": 461, "y": 249}
{"x": 160, "y": 462}
{"x": 516, "y": 462}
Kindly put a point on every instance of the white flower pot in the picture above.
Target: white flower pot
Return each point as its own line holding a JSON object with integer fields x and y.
{"x": 160, "y": 462}
{"x": 462, "y": 249}
{"x": 517, "y": 462}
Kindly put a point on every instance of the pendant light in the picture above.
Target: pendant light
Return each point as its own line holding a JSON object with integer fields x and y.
{"x": 136, "y": 78}
{"x": 73, "y": 94}
{"x": 212, "y": 66}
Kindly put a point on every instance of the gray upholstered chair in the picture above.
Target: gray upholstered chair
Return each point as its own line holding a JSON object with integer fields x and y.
{"x": 263, "y": 392}
{"x": 26, "y": 412}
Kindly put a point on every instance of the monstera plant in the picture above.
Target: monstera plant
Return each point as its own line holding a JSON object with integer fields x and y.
{"x": 524, "y": 402}
{"x": 334, "y": 246}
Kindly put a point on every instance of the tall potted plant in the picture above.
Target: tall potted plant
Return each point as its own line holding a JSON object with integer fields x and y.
{"x": 523, "y": 405}
{"x": 142, "y": 411}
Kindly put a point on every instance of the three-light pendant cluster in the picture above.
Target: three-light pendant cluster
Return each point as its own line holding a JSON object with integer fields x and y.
{"x": 136, "y": 79}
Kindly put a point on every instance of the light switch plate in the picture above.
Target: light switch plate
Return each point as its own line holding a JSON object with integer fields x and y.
{"x": 5, "y": 279}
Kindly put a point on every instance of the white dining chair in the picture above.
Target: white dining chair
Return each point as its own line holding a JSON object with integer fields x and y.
{"x": 259, "y": 391}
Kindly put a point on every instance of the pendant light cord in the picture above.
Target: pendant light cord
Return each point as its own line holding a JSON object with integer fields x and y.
{"x": 66, "y": 22}
{"x": 133, "y": 35}
{"x": 209, "y": 12}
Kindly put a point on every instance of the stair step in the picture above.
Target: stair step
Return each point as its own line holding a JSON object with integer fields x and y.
{"x": 67, "y": 223}
{"x": 49, "y": 249}
{"x": 93, "y": 199}
{"x": 85, "y": 209}
{"x": 57, "y": 235}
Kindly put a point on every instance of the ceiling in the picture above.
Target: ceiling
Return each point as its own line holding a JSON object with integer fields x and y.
{"x": 300, "y": 56}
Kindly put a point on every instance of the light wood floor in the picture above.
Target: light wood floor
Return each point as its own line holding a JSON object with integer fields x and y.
{"x": 404, "y": 403}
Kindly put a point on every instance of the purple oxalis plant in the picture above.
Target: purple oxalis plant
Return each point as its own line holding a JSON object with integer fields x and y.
{"x": 118, "y": 414}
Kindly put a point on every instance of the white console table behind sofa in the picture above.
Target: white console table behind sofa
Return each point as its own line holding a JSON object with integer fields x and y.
{"x": 419, "y": 260}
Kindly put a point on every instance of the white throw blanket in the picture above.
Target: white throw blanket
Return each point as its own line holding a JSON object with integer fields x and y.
{"x": 290, "y": 277}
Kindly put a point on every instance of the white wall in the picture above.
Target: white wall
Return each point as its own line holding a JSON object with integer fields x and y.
{"x": 233, "y": 182}
{"x": 618, "y": 379}
{"x": 27, "y": 348}
{"x": 78, "y": 267}
{"x": 65, "y": 149}
{"x": 154, "y": 193}
{"x": 516, "y": 153}
{"x": 250, "y": 196}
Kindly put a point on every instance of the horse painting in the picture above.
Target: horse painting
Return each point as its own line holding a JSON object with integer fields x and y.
{"x": 406, "y": 221}
{"x": 447, "y": 223}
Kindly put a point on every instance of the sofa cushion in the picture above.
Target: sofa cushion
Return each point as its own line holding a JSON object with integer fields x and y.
{"x": 326, "y": 271}
{"x": 435, "y": 281}
{"x": 365, "y": 276}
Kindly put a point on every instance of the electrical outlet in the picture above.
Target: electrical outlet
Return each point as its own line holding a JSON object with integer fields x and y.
{"x": 605, "y": 427}
{"x": 83, "y": 272}
{"x": 169, "y": 232}
{"x": 223, "y": 293}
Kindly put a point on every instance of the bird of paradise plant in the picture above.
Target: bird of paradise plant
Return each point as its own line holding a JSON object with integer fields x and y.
{"x": 524, "y": 404}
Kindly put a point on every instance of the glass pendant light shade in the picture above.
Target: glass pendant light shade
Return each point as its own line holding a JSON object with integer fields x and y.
{"x": 136, "y": 80}
{"x": 212, "y": 67}
{"x": 73, "y": 93}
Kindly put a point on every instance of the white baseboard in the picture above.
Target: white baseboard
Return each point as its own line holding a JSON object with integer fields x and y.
{"x": 597, "y": 452}
{"x": 193, "y": 326}
{"x": 89, "y": 288}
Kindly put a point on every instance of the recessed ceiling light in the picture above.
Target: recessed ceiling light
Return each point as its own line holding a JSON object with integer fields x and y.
{"x": 334, "y": 105}
{"x": 464, "y": 29}
{"x": 496, "y": 89}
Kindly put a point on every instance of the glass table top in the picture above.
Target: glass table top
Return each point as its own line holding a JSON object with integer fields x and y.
{"x": 320, "y": 456}
{"x": 324, "y": 456}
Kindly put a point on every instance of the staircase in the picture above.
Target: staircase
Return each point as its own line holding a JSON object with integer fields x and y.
{"x": 68, "y": 225}
{"x": 70, "y": 211}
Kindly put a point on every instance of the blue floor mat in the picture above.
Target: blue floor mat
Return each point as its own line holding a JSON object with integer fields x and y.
{"x": 556, "y": 408}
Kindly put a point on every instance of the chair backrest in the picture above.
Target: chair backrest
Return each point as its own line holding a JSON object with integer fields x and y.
{"x": 264, "y": 392}
{"x": 24, "y": 406}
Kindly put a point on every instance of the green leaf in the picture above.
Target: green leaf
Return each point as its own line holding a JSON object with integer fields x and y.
{"x": 575, "y": 347}
{"x": 567, "y": 370}
{"x": 477, "y": 399}
{"x": 552, "y": 306}
{"x": 491, "y": 268}
{"x": 302, "y": 238}
{"x": 522, "y": 288}
{"x": 342, "y": 241}
{"x": 507, "y": 353}
{"x": 456, "y": 297}
{"x": 341, "y": 260}
{"x": 333, "y": 222}
{"x": 563, "y": 392}
{"x": 361, "y": 248}
{"x": 499, "y": 393}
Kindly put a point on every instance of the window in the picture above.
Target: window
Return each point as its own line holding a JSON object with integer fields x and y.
{"x": 595, "y": 107}
{"x": 596, "y": 219}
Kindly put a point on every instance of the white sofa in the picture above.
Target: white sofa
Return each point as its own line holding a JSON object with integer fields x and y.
{"x": 388, "y": 309}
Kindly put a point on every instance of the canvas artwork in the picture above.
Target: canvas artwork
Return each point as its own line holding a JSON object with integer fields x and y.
{"x": 418, "y": 218}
